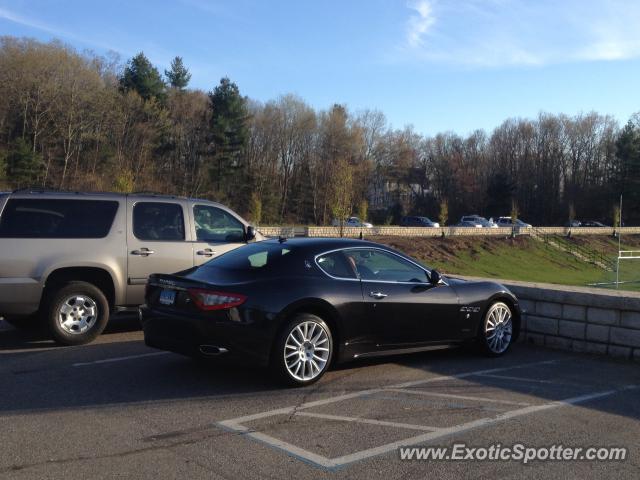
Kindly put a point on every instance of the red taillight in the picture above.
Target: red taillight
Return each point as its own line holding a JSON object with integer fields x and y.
{"x": 213, "y": 300}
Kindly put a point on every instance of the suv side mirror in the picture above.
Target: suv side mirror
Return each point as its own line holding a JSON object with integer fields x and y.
{"x": 435, "y": 277}
{"x": 250, "y": 233}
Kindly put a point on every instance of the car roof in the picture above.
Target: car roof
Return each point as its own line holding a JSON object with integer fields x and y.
{"x": 322, "y": 244}
{"x": 62, "y": 194}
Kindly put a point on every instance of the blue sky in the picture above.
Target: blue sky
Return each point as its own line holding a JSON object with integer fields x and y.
{"x": 435, "y": 64}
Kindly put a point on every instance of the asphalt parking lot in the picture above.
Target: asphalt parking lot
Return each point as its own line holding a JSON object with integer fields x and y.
{"x": 116, "y": 408}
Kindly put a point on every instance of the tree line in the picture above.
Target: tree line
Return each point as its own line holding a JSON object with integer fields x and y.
{"x": 80, "y": 121}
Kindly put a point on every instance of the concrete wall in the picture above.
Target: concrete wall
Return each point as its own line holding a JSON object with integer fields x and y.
{"x": 580, "y": 319}
{"x": 432, "y": 232}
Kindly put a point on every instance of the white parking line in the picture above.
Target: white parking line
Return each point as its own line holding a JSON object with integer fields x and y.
{"x": 483, "y": 422}
{"x": 459, "y": 397}
{"x": 236, "y": 424}
{"x": 119, "y": 359}
{"x": 525, "y": 379}
{"x": 369, "y": 421}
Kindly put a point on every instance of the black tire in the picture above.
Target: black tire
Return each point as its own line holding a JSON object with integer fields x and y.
{"x": 278, "y": 364}
{"x": 54, "y": 302}
{"x": 485, "y": 341}
{"x": 29, "y": 323}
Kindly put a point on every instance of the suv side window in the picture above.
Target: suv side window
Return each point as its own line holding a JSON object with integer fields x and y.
{"x": 158, "y": 221}
{"x": 382, "y": 266}
{"x": 57, "y": 218}
{"x": 215, "y": 225}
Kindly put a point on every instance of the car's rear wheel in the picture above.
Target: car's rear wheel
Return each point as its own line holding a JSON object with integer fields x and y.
{"x": 303, "y": 350}
{"x": 496, "y": 332}
{"x": 76, "y": 313}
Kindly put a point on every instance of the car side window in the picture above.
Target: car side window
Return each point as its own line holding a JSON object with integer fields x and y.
{"x": 158, "y": 221}
{"x": 336, "y": 264}
{"x": 215, "y": 225}
{"x": 378, "y": 265}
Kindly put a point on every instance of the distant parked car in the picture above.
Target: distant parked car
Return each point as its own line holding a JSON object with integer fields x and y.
{"x": 506, "y": 222}
{"x": 593, "y": 223}
{"x": 478, "y": 220}
{"x": 352, "y": 222}
{"x": 475, "y": 220}
{"x": 468, "y": 224}
{"x": 418, "y": 222}
{"x": 573, "y": 224}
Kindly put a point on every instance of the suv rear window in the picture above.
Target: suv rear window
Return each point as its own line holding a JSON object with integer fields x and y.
{"x": 158, "y": 221}
{"x": 54, "y": 218}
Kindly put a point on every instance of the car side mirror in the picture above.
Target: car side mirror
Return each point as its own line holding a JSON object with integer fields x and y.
{"x": 435, "y": 277}
{"x": 250, "y": 233}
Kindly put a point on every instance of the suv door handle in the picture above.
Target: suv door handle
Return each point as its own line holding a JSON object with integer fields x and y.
{"x": 207, "y": 252}
{"x": 143, "y": 252}
{"x": 377, "y": 295}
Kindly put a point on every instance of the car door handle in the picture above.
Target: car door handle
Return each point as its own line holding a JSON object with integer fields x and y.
{"x": 377, "y": 295}
{"x": 143, "y": 252}
{"x": 207, "y": 252}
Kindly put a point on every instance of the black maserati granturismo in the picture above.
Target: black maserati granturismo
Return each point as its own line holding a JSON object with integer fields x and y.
{"x": 297, "y": 305}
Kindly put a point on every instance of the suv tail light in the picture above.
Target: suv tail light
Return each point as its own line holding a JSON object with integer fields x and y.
{"x": 213, "y": 300}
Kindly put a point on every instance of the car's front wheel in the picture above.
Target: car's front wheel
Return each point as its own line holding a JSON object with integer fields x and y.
{"x": 496, "y": 332}
{"x": 303, "y": 350}
{"x": 76, "y": 313}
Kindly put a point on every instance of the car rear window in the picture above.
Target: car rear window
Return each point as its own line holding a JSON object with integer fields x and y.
{"x": 259, "y": 256}
{"x": 336, "y": 264}
{"x": 57, "y": 218}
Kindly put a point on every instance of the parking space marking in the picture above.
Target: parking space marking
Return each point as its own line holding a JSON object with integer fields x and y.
{"x": 458, "y": 397}
{"x": 471, "y": 374}
{"x": 369, "y": 421}
{"x": 483, "y": 422}
{"x": 237, "y": 424}
{"x": 119, "y": 359}
{"x": 524, "y": 379}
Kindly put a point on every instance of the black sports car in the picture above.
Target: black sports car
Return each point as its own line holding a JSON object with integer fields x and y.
{"x": 298, "y": 304}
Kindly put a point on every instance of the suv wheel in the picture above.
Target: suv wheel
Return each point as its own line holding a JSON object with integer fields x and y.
{"x": 76, "y": 313}
{"x": 303, "y": 350}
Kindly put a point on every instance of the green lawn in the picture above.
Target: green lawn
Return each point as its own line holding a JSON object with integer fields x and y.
{"x": 526, "y": 259}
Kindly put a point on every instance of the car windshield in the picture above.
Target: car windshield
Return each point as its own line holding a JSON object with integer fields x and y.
{"x": 259, "y": 256}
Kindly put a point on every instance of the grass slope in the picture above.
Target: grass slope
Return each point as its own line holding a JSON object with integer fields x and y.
{"x": 522, "y": 258}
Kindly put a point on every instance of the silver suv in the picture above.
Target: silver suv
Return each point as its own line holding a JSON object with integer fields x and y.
{"x": 70, "y": 259}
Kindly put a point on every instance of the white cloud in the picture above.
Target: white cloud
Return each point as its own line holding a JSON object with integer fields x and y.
{"x": 55, "y": 31}
{"x": 419, "y": 23}
{"x": 522, "y": 32}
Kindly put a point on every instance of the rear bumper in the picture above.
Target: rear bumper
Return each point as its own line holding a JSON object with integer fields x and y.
{"x": 247, "y": 344}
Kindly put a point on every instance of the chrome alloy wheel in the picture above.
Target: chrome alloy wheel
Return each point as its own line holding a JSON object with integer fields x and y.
{"x": 498, "y": 327}
{"x": 306, "y": 351}
{"x": 77, "y": 314}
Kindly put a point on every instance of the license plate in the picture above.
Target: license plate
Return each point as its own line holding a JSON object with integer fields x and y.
{"x": 167, "y": 297}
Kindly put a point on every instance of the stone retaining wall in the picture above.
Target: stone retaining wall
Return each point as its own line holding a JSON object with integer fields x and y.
{"x": 433, "y": 232}
{"x": 580, "y": 319}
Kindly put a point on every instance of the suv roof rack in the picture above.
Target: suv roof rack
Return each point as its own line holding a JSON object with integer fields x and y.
{"x": 153, "y": 194}
{"x": 42, "y": 190}
{"x": 54, "y": 190}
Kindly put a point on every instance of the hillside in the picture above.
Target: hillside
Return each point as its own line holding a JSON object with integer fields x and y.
{"x": 521, "y": 258}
